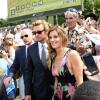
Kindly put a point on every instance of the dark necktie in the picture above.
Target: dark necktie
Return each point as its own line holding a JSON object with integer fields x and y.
{"x": 43, "y": 57}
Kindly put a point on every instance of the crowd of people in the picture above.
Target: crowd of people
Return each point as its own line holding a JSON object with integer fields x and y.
{"x": 44, "y": 60}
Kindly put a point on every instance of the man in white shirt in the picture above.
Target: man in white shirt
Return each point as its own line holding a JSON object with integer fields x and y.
{"x": 36, "y": 71}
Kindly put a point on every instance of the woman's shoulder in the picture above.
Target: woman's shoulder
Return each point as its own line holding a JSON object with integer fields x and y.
{"x": 11, "y": 49}
{"x": 73, "y": 53}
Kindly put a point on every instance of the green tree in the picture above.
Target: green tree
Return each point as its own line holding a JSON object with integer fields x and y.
{"x": 90, "y": 6}
{"x": 5, "y": 23}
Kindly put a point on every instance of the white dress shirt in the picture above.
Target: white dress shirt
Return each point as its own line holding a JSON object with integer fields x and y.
{"x": 40, "y": 48}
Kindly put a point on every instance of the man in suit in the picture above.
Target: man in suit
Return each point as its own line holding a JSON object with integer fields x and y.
{"x": 36, "y": 71}
{"x": 20, "y": 59}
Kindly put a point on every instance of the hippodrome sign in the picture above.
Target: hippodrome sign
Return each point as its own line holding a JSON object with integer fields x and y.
{"x": 18, "y": 8}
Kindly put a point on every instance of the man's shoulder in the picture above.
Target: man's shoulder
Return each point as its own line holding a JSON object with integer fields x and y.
{"x": 20, "y": 48}
{"x": 33, "y": 45}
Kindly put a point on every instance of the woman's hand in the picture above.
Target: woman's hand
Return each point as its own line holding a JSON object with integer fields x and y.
{"x": 7, "y": 81}
{"x": 4, "y": 55}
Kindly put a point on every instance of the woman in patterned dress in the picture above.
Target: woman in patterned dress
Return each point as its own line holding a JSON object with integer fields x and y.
{"x": 66, "y": 65}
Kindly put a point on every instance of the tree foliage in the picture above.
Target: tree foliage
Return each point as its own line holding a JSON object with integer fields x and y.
{"x": 5, "y": 23}
{"x": 90, "y": 6}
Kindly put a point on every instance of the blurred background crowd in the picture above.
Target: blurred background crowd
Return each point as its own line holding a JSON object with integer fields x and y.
{"x": 79, "y": 33}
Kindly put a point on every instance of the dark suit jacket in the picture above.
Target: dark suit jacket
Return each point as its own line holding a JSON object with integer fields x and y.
{"x": 19, "y": 61}
{"x": 37, "y": 74}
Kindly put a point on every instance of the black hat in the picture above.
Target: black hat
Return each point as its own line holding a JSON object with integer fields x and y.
{"x": 91, "y": 15}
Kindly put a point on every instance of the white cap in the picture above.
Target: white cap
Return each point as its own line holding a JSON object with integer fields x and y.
{"x": 18, "y": 26}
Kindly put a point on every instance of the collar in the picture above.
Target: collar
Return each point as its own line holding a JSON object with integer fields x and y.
{"x": 44, "y": 44}
{"x": 75, "y": 28}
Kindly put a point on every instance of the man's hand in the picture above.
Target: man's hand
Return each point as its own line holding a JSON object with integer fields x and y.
{"x": 7, "y": 81}
{"x": 27, "y": 97}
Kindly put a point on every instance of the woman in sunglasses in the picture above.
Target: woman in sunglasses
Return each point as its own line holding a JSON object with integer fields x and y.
{"x": 9, "y": 46}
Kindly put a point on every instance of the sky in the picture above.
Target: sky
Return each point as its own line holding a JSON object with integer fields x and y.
{"x": 3, "y": 9}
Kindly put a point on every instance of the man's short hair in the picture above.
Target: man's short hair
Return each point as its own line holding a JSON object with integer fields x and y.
{"x": 89, "y": 90}
{"x": 41, "y": 22}
{"x": 91, "y": 15}
{"x": 72, "y": 11}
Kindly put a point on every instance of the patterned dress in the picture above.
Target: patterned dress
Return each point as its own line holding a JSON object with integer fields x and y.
{"x": 66, "y": 82}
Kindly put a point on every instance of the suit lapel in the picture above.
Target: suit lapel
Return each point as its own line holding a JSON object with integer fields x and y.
{"x": 24, "y": 53}
{"x": 36, "y": 52}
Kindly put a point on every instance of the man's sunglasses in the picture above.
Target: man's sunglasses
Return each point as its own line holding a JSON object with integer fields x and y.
{"x": 37, "y": 32}
{"x": 24, "y": 36}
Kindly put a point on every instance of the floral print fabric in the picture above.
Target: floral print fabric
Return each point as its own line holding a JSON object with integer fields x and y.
{"x": 66, "y": 82}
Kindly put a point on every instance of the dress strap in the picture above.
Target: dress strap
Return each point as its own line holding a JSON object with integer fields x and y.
{"x": 66, "y": 54}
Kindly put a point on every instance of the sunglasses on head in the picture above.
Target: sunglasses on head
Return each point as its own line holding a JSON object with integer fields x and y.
{"x": 37, "y": 32}
{"x": 72, "y": 10}
{"x": 24, "y": 36}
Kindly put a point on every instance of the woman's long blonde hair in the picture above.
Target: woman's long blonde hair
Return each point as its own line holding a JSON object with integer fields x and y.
{"x": 63, "y": 35}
